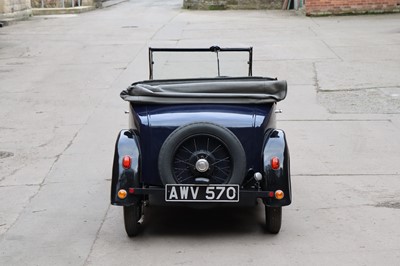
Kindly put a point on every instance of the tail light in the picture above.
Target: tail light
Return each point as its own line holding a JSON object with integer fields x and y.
{"x": 279, "y": 194}
{"x": 122, "y": 193}
{"x": 275, "y": 164}
{"x": 126, "y": 162}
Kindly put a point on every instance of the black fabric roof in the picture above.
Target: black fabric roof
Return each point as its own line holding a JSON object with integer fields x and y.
{"x": 246, "y": 90}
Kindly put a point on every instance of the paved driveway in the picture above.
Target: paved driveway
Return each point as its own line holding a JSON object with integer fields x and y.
{"x": 60, "y": 112}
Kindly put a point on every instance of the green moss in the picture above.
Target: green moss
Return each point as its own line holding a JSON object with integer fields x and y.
{"x": 216, "y": 7}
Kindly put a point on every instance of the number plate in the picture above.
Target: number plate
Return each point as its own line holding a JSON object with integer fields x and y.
{"x": 201, "y": 193}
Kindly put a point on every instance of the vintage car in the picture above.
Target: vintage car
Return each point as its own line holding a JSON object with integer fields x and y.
{"x": 202, "y": 142}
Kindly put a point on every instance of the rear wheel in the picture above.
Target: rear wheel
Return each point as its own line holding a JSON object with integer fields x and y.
{"x": 273, "y": 217}
{"x": 132, "y": 215}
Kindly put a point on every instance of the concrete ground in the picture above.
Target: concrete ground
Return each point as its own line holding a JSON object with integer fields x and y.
{"x": 60, "y": 112}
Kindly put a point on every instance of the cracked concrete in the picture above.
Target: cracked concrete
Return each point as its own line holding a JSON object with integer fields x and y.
{"x": 60, "y": 112}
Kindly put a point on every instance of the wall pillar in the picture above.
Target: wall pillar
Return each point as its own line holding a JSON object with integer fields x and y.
{"x": 15, "y": 9}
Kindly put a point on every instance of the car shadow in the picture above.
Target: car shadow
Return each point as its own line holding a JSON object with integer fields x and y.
{"x": 185, "y": 221}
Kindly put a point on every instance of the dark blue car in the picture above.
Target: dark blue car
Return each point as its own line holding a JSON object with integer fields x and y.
{"x": 202, "y": 142}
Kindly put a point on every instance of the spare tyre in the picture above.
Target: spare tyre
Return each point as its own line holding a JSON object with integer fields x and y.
{"x": 202, "y": 152}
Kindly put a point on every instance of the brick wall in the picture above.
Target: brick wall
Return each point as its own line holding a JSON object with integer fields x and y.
{"x": 232, "y": 4}
{"x": 332, "y": 7}
{"x": 15, "y": 9}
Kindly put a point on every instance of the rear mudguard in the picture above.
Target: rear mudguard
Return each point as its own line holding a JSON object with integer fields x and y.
{"x": 275, "y": 145}
{"x": 127, "y": 144}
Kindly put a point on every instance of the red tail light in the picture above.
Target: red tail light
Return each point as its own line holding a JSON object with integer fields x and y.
{"x": 275, "y": 163}
{"x": 126, "y": 162}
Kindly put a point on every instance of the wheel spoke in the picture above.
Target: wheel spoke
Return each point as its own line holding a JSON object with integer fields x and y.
{"x": 217, "y": 148}
{"x": 182, "y": 161}
{"x": 226, "y": 159}
{"x": 179, "y": 168}
{"x": 183, "y": 180}
{"x": 219, "y": 178}
{"x": 207, "y": 147}
{"x": 182, "y": 171}
{"x": 187, "y": 150}
{"x": 222, "y": 171}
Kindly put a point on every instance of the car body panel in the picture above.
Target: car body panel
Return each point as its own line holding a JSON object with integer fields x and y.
{"x": 127, "y": 144}
{"x": 154, "y": 123}
{"x": 275, "y": 145}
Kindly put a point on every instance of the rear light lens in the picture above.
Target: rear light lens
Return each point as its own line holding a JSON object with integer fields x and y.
{"x": 279, "y": 194}
{"x": 122, "y": 193}
{"x": 126, "y": 162}
{"x": 275, "y": 164}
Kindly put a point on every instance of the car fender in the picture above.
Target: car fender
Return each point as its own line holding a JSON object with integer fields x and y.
{"x": 275, "y": 145}
{"x": 127, "y": 144}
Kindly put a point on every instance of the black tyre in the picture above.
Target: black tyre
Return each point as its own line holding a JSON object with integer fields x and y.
{"x": 273, "y": 217}
{"x": 202, "y": 153}
{"x": 132, "y": 215}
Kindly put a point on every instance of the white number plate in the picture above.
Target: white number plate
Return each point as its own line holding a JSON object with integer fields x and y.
{"x": 201, "y": 193}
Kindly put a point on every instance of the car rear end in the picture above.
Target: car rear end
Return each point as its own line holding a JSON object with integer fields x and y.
{"x": 195, "y": 152}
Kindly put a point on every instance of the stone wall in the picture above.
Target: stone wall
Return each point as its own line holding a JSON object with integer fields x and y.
{"x": 58, "y": 3}
{"x": 334, "y": 7}
{"x": 232, "y": 4}
{"x": 15, "y": 9}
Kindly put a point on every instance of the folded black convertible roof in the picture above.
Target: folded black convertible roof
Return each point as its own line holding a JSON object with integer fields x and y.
{"x": 238, "y": 90}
